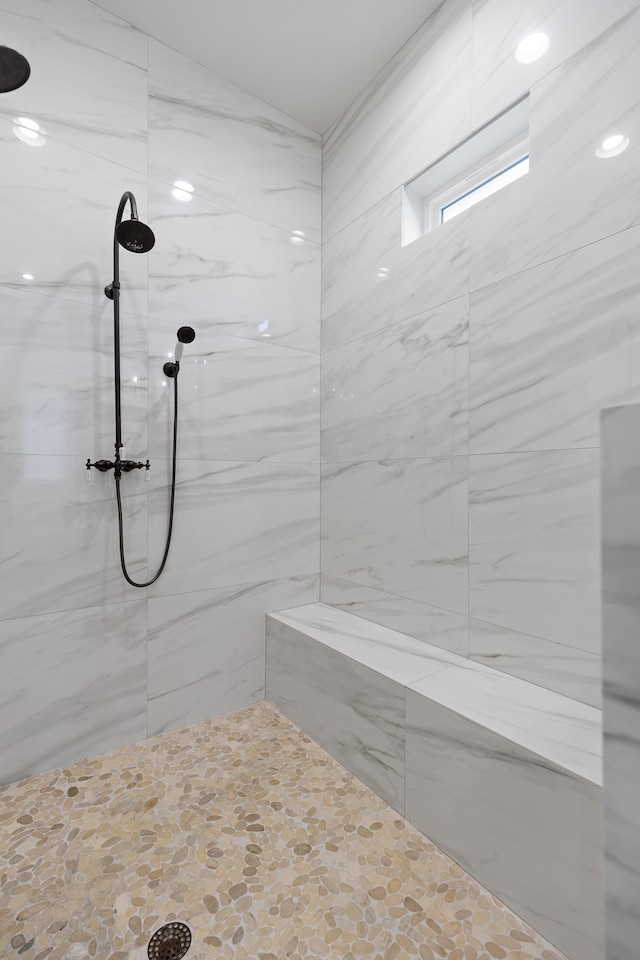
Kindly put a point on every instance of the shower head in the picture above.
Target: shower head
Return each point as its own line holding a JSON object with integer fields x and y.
{"x": 14, "y": 69}
{"x": 135, "y": 236}
{"x": 185, "y": 335}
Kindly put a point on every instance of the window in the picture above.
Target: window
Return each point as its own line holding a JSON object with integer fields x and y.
{"x": 488, "y": 161}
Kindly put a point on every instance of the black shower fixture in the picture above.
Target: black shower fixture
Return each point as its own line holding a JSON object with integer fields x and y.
{"x": 14, "y": 70}
{"x": 185, "y": 335}
{"x": 136, "y": 237}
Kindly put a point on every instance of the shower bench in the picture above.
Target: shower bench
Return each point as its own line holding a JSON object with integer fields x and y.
{"x": 503, "y": 775}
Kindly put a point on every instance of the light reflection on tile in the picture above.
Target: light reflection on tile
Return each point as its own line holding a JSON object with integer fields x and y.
{"x": 239, "y": 399}
{"x": 215, "y": 268}
{"x": 235, "y": 149}
{"x": 570, "y": 198}
{"x": 56, "y": 392}
{"x": 88, "y": 83}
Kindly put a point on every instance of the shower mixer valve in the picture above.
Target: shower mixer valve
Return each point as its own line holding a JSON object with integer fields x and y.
{"x": 120, "y": 466}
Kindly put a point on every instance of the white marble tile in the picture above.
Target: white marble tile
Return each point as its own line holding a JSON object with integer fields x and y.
{"x": 394, "y": 655}
{"x": 88, "y": 83}
{"x": 552, "y": 345}
{"x": 235, "y": 149}
{"x": 72, "y": 685}
{"x": 216, "y": 268}
{"x": 500, "y": 25}
{"x": 61, "y": 204}
{"x": 207, "y": 649}
{"x": 56, "y": 393}
{"x": 59, "y": 546}
{"x": 621, "y": 621}
{"x": 529, "y": 832}
{"x": 449, "y": 631}
{"x": 401, "y": 392}
{"x": 356, "y": 714}
{"x": 239, "y": 399}
{"x": 234, "y": 523}
{"x": 533, "y": 544}
{"x": 571, "y": 197}
{"x": 563, "y": 731}
{"x": 370, "y": 281}
{"x": 415, "y": 109}
{"x": 399, "y": 526}
{"x": 567, "y": 670}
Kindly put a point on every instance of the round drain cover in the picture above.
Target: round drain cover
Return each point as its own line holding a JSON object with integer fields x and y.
{"x": 170, "y": 942}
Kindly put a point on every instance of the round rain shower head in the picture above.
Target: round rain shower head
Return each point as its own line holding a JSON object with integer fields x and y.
{"x": 14, "y": 69}
{"x": 135, "y": 236}
{"x": 186, "y": 334}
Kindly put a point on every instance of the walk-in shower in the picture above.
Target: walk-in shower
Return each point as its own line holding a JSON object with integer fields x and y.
{"x": 137, "y": 237}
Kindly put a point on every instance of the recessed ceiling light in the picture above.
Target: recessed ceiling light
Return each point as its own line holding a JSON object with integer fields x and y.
{"x": 297, "y": 237}
{"x": 184, "y": 185}
{"x": 612, "y": 146}
{"x": 183, "y": 195}
{"x": 29, "y": 131}
{"x": 27, "y": 276}
{"x": 532, "y": 48}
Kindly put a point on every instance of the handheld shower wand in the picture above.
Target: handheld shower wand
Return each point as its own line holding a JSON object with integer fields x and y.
{"x": 137, "y": 237}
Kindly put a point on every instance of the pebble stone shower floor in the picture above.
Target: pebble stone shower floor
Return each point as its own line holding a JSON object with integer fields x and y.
{"x": 251, "y": 834}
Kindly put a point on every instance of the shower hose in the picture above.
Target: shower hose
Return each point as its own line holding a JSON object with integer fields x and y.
{"x": 123, "y": 562}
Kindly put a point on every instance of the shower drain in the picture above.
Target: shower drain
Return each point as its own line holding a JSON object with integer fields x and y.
{"x": 170, "y": 942}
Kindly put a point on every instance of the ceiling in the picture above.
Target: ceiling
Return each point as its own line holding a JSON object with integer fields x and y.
{"x": 309, "y": 58}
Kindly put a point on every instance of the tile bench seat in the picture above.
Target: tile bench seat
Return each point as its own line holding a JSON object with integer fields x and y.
{"x": 503, "y": 775}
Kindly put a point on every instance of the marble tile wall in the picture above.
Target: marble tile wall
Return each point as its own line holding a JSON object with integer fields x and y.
{"x": 621, "y": 620}
{"x": 463, "y": 374}
{"x": 88, "y": 662}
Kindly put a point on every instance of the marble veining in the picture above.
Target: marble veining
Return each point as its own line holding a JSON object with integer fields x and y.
{"x": 531, "y": 831}
{"x": 59, "y": 545}
{"x": 570, "y": 198}
{"x": 401, "y": 392}
{"x": 88, "y": 83}
{"x": 262, "y": 162}
{"x": 568, "y": 670}
{"x": 56, "y": 392}
{"x": 206, "y": 651}
{"x": 73, "y": 684}
{"x": 239, "y": 399}
{"x": 533, "y": 544}
{"x": 370, "y": 281}
{"x": 227, "y": 272}
{"x": 79, "y": 193}
{"x": 621, "y": 619}
{"x": 355, "y": 713}
{"x": 552, "y": 345}
{"x": 414, "y": 110}
{"x": 399, "y": 657}
{"x": 562, "y": 731}
{"x": 436, "y": 626}
{"x": 499, "y": 26}
{"x": 236, "y": 522}
{"x": 400, "y": 526}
